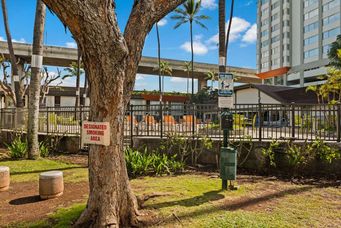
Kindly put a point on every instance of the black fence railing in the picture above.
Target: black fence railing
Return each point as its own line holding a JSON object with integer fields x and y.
{"x": 256, "y": 121}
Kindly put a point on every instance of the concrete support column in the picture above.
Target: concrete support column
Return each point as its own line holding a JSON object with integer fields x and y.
{"x": 202, "y": 83}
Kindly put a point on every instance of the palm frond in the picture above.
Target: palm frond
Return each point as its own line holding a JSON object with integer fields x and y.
{"x": 201, "y": 24}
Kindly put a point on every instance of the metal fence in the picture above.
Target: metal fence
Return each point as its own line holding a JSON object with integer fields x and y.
{"x": 256, "y": 121}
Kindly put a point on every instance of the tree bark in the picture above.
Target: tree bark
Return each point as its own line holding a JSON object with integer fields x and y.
{"x": 15, "y": 74}
{"x": 34, "y": 90}
{"x": 110, "y": 61}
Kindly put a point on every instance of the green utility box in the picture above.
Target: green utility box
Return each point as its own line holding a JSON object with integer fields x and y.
{"x": 228, "y": 163}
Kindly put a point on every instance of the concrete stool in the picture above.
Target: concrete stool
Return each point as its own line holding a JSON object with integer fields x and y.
{"x": 4, "y": 178}
{"x": 51, "y": 184}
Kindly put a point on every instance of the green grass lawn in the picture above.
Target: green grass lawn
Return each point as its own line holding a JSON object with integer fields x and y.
{"x": 198, "y": 202}
{"x": 28, "y": 170}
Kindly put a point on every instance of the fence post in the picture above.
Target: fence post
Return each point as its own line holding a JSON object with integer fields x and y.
{"x": 338, "y": 125}
{"x": 193, "y": 119}
{"x": 47, "y": 120}
{"x": 161, "y": 119}
{"x": 260, "y": 119}
{"x": 131, "y": 125}
{"x": 292, "y": 121}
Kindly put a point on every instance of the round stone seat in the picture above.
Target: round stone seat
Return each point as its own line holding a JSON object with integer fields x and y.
{"x": 51, "y": 184}
{"x": 4, "y": 178}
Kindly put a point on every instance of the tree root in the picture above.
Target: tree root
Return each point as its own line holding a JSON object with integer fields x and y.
{"x": 142, "y": 199}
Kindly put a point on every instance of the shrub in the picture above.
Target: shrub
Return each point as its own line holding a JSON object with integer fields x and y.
{"x": 141, "y": 164}
{"x": 324, "y": 152}
{"x": 43, "y": 149}
{"x": 18, "y": 148}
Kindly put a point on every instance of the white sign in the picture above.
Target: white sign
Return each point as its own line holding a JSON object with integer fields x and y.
{"x": 97, "y": 133}
{"x": 225, "y": 102}
{"x": 225, "y": 87}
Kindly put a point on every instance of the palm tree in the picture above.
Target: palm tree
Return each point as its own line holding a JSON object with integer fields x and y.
{"x": 165, "y": 69}
{"x": 187, "y": 68}
{"x": 333, "y": 53}
{"x": 189, "y": 14}
{"x": 211, "y": 75}
{"x": 75, "y": 70}
{"x": 34, "y": 92}
{"x": 229, "y": 30}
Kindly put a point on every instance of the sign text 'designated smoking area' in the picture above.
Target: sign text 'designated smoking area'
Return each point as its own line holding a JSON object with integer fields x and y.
{"x": 97, "y": 133}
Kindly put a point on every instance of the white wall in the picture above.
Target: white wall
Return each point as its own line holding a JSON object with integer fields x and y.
{"x": 49, "y": 101}
{"x": 250, "y": 96}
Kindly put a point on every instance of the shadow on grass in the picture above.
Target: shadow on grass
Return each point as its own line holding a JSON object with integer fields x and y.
{"x": 191, "y": 202}
{"x": 46, "y": 170}
{"x": 25, "y": 200}
{"x": 237, "y": 205}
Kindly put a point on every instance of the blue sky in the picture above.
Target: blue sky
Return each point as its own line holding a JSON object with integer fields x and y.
{"x": 174, "y": 43}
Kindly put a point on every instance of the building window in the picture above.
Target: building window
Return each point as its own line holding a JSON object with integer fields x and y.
{"x": 275, "y": 50}
{"x": 265, "y": 11}
{"x": 309, "y": 2}
{"x": 311, "y": 14}
{"x": 265, "y": 22}
{"x": 275, "y": 5}
{"x": 331, "y": 5}
{"x": 265, "y": 43}
{"x": 331, "y": 33}
{"x": 311, "y": 27}
{"x": 274, "y": 28}
{"x": 326, "y": 49}
{"x": 275, "y": 39}
{"x": 331, "y": 19}
{"x": 57, "y": 101}
{"x": 264, "y": 33}
{"x": 265, "y": 65}
{"x": 311, "y": 40}
{"x": 264, "y": 1}
{"x": 286, "y": 35}
{"x": 274, "y": 17}
{"x": 275, "y": 62}
{"x": 265, "y": 54}
{"x": 311, "y": 53}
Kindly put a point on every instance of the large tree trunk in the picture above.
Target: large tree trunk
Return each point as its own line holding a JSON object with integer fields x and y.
{"x": 34, "y": 90}
{"x": 110, "y": 61}
{"x": 15, "y": 73}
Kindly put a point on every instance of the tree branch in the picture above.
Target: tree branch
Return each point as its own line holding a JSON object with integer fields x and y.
{"x": 145, "y": 13}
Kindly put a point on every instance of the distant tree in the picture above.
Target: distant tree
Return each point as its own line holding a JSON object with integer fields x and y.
{"x": 48, "y": 79}
{"x": 189, "y": 13}
{"x": 334, "y": 53}
{"x": 75, "y": 70}
{"x": 13, "y": 59}
{"x": 187, "y": 68}
{"x": 164, "y": 69}
{"x": 211, "y": 75}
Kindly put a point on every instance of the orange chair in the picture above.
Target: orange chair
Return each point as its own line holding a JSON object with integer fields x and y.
{"x": 168, "y": 119}
{"x": 149, "y": 119}
{"x": 188, "y": 119}
{"x": 128, "y": 120}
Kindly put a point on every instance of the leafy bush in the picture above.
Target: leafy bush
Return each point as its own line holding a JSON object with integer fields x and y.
{"x": 18, "y": 148}
{"x": 324, "y": 152}
{"x": 270, "y": 152}
{"x": 141, "y": 164}
{"x": 43, "y": 149}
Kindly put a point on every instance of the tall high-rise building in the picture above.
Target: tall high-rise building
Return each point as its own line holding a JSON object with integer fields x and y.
{"x": 294, "y": 38}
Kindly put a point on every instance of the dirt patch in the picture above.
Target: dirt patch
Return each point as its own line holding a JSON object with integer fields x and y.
{"x": 22, "y": 203}
{"x": 77, "y": 159}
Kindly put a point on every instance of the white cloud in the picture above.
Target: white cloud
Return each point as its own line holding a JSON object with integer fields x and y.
{"x": 1, "y": 38}
{"x": 198, "y": 47}
{"x": 249, "y": 3}
{"x": 178, "y": 80}
{"x": 21, "y": 40}
{"x": 71, "y": 44}
{"x": 162, "y": 22}
{"x": 238, "y": 27}
{"x": 139, "y": 77}
{"x": 251, "y": 35}
{"x": 209, "y": 4}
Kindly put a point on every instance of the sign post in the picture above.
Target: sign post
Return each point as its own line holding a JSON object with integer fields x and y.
{"x": 228, "y": 155}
